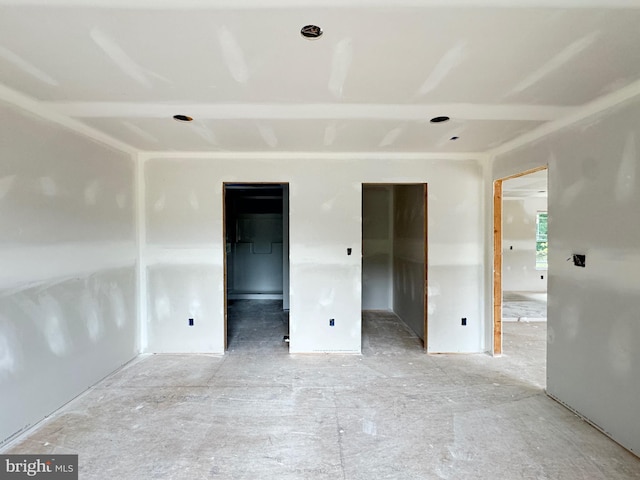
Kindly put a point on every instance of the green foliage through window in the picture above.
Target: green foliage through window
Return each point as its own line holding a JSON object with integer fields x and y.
{"x": 541, "y": 241}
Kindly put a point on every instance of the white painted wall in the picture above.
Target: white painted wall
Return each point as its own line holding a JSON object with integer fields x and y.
{"x": 183, "y": 255}
{"x": 68, "y": 255}
{"x": 593, "y": 357}
{"x": 519, "y": 272}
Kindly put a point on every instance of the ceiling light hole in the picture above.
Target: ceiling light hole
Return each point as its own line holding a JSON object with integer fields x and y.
{"x": 311, "y": 31}
{"x": 454, "y": 138}
{"x": 183, "y": 118}
{"x": 439, "y": 119}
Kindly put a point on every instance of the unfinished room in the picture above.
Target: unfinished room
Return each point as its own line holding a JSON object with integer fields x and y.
{"x": 304, "y": 239}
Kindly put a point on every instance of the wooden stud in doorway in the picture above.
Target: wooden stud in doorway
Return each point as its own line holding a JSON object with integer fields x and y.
{"x": 497, "y": 257}
{"x": 497, "y": 267}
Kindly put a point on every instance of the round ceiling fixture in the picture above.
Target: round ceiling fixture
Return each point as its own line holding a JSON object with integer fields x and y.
{"x": 183, "y": 118}
{"x": 439, "y": 119}
{"x": 311, "y": 31}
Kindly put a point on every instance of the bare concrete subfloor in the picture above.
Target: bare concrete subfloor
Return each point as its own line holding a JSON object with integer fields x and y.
{"x": 392, "y": 413}
{"x": 525, "y": 306}
{"x": 257, "y": 326}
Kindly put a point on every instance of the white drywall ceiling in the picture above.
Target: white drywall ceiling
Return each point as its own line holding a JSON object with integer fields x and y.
{"x": 370, "y": 83}
{"x": 531, "y": 185}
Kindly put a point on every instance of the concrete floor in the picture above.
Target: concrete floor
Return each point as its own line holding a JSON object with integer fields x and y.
{"x": 257, "y": 326}
{"x": 524, "y": 306}
{"x": 392, "y": 413}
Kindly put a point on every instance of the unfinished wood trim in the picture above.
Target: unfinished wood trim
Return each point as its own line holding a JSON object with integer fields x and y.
{"x": 497, "y": 267}
{"x": 497, "y": 255}
{"x": 526, "y": 172}
{"x": 426, "y": 267}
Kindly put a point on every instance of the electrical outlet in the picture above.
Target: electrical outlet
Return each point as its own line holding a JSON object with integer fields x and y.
{"x": 332, "y": 322}
{"x": 464, "y": 321}
{"x": 191, "y": 322}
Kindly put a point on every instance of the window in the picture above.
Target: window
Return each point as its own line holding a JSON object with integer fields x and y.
{"x": 541, "y": 241}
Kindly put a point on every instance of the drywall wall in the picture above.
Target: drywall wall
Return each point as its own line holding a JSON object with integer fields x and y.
{"x": 183, "y": 255}
{"x": 377, "y": 247}
{"x": 254, "y": 264}
{"x": 519, "y": 272}
{"x": 593, "y": 354}
{"x": 68, "y": 278}
{"x": 409, "y": 255}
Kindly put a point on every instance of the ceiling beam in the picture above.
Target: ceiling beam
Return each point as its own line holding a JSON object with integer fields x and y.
{"x": 592, "y": 109}
{"x": 244, "y": 111}
{"x": 26, "y": 103}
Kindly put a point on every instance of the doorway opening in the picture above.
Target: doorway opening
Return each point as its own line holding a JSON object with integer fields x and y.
{"x": 256, "y": 266}
{"x": 394, "y": 266}
{"x": 520, "y": 260}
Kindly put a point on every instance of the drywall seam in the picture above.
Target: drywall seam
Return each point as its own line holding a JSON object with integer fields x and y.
{"x": 41, "y": 264}
{"x": 141, "y": 231}
{"x": 180, "y": 156}
{"x": 313, "y": 111}
{"x": 37, "y": 108}
{"x": 597, "y": 106}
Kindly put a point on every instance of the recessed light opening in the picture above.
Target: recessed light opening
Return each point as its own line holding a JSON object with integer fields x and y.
{"x": 183, "y": 118}
{"x": 311, "y": 31}
{"x": 454, "y": 138}
{"x": 439, "y": 119}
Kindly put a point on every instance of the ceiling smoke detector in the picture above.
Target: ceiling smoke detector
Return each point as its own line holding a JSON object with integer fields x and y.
{"x": 439, "y": 119}
{"x": 311, "y": 31}
{"x": 183, "y": 118}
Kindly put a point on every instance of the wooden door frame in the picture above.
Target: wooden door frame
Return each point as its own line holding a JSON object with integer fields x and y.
{"x": 497, "y": 255}
{"x": 426, "y": 249}
{"x": 224, "y": 243}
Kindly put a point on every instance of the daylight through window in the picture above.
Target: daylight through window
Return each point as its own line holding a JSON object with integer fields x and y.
{"x": 541, "y": 241}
